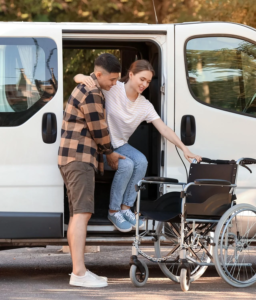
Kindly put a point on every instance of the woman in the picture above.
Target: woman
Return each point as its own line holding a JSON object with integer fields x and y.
{"x": 126, "y": 108}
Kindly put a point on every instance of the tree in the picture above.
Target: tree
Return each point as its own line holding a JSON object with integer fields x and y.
{"x": 168, "y": 11}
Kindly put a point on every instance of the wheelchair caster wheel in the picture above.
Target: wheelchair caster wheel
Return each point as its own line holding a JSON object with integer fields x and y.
{"x": 137, "y": 277}
{"x": 184, "y": 280}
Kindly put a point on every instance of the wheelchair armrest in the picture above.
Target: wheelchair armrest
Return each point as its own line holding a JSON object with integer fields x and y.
{"x": 212, "y": 181}
{"x": 161, "y": 179}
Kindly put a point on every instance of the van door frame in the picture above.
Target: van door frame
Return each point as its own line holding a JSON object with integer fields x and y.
{"x": 156, "y": 37}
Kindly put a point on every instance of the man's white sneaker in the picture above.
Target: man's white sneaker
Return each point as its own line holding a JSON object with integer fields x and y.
{"x": 89, "y": 280}
{"x": 100, "y": 277}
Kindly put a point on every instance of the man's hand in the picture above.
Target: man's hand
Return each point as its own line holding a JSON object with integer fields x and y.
{"x": 112, "y": 159}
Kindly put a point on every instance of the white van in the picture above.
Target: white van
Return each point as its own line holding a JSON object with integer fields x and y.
{"x": 204, "y": 88}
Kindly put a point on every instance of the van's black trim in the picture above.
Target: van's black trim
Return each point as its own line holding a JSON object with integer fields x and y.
{"x": 162, "y": 158}
{"x": 186, "y": 69}
{"x": 108, "y": 31}
{"x": 24, "y": 225}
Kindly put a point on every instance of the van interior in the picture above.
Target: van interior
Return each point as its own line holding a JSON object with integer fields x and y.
{"x": 78, "y": 57}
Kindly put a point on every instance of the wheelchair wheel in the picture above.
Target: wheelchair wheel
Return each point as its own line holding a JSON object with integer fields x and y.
{"x": 137, "y": 278}
{"x": 184, "y": 280}
{"x": 168, "y": 245}
{"x": 235, "y": 250}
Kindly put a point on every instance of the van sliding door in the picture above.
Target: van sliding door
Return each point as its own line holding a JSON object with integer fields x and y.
{"x": 215, "y": 83}
{"x": 31, "y": 188}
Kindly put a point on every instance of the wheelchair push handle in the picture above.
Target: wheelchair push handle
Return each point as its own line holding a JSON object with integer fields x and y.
{"x": 217, "y": 161}
{"x": 247, "y": 161}
{"x": 241, "y": 161}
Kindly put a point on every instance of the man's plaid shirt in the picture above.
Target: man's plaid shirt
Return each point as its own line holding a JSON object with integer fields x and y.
{"x": 84, "y": 133}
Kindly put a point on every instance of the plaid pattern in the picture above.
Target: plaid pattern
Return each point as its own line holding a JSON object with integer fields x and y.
{"x": 84, "y": 133}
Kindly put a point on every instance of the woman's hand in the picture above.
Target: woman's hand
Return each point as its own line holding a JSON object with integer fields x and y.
{"x": 189, "y": 155}
{"x": 87, "y": 80}
{"x": 170, "y": 135}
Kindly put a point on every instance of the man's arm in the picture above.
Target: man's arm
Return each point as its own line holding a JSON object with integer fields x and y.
{"x": 93, "y": 111}
{"x": 94, "y": 115}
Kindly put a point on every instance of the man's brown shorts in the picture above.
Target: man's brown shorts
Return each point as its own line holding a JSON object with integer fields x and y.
{"x": 79, "y": 178}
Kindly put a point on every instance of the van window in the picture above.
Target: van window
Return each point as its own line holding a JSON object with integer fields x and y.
{"x": 28, "y": 77}
{"x": 222, "y": 73}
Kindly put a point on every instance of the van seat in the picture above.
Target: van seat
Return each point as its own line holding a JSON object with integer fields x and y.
{"x": 106, "y": 178}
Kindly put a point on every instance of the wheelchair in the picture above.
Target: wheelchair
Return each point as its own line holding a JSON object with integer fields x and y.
{"x": 198, "y": 227}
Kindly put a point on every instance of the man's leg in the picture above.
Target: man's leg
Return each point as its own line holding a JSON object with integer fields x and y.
{"x": 80, "y": 182}
{"x": 77, "y": 235}
{"x": 70, "y": 209}
{"x": 68, "y": 235}
{"x": 79, "y": 178}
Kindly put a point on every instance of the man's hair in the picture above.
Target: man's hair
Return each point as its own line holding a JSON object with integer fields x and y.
{"x": 108, "y": 62}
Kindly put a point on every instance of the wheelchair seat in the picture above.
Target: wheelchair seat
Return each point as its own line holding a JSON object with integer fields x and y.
{"x": 164, "y": 209}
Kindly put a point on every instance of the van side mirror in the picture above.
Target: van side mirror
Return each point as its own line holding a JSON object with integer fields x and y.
{"x": 188, "y": 130}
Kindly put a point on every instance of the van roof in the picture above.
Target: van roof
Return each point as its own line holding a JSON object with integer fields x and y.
{"x": 68, "y": 26}
{"x": 79, "y": 24}
{"x": 76, "y": 23}
{"x": 113, "y": 26}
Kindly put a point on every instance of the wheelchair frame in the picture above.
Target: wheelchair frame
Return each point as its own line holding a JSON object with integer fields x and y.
{"x": 183, "y": 257}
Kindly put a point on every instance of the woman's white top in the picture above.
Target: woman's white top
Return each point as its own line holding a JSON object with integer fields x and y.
{"x": 124, "y": 115}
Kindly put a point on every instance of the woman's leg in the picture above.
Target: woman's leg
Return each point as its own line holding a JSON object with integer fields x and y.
{"x": 139, "y": 172}
{"x": 121, "y": 179}
{"x": 118, "y": 187}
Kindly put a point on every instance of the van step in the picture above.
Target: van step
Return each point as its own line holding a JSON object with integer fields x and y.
{"x": 92, "y": 240}
{"x": 99, "y": 221}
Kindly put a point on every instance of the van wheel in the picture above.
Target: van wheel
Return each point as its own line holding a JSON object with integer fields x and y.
{"x": 138, "y": 278}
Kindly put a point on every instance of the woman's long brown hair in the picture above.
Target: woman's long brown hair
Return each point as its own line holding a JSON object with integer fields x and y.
{"x": 137, "y": 67}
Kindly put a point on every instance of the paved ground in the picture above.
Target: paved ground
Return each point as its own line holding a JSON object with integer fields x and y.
{"x": 42, "y": 273}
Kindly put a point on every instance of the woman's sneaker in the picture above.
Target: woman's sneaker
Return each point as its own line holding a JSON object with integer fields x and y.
{"x": 131, "y": 218}
{"x": 120, "y": 222}
{"x": 89, "y": 280}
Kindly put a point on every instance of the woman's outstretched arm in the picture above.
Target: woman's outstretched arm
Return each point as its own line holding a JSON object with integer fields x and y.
{"x": 171, "y": 136}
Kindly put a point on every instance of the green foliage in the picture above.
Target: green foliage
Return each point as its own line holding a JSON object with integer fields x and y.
{"x": 168, "y": 11}
{"x": 79, "y": 61}
{"x": 75, "y": 10}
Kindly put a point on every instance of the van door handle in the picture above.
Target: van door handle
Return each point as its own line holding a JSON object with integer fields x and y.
{"x": 49, "y": 128}
{"x": 188, "y": 130}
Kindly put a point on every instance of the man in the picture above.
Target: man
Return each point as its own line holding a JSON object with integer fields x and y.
{"x": 84, "y": 139}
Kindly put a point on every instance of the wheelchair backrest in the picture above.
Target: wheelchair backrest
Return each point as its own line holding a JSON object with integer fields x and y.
{"x": 200, "y": 194}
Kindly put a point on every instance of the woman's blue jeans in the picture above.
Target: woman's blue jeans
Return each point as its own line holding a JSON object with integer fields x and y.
{"x": 130, "y": 171}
